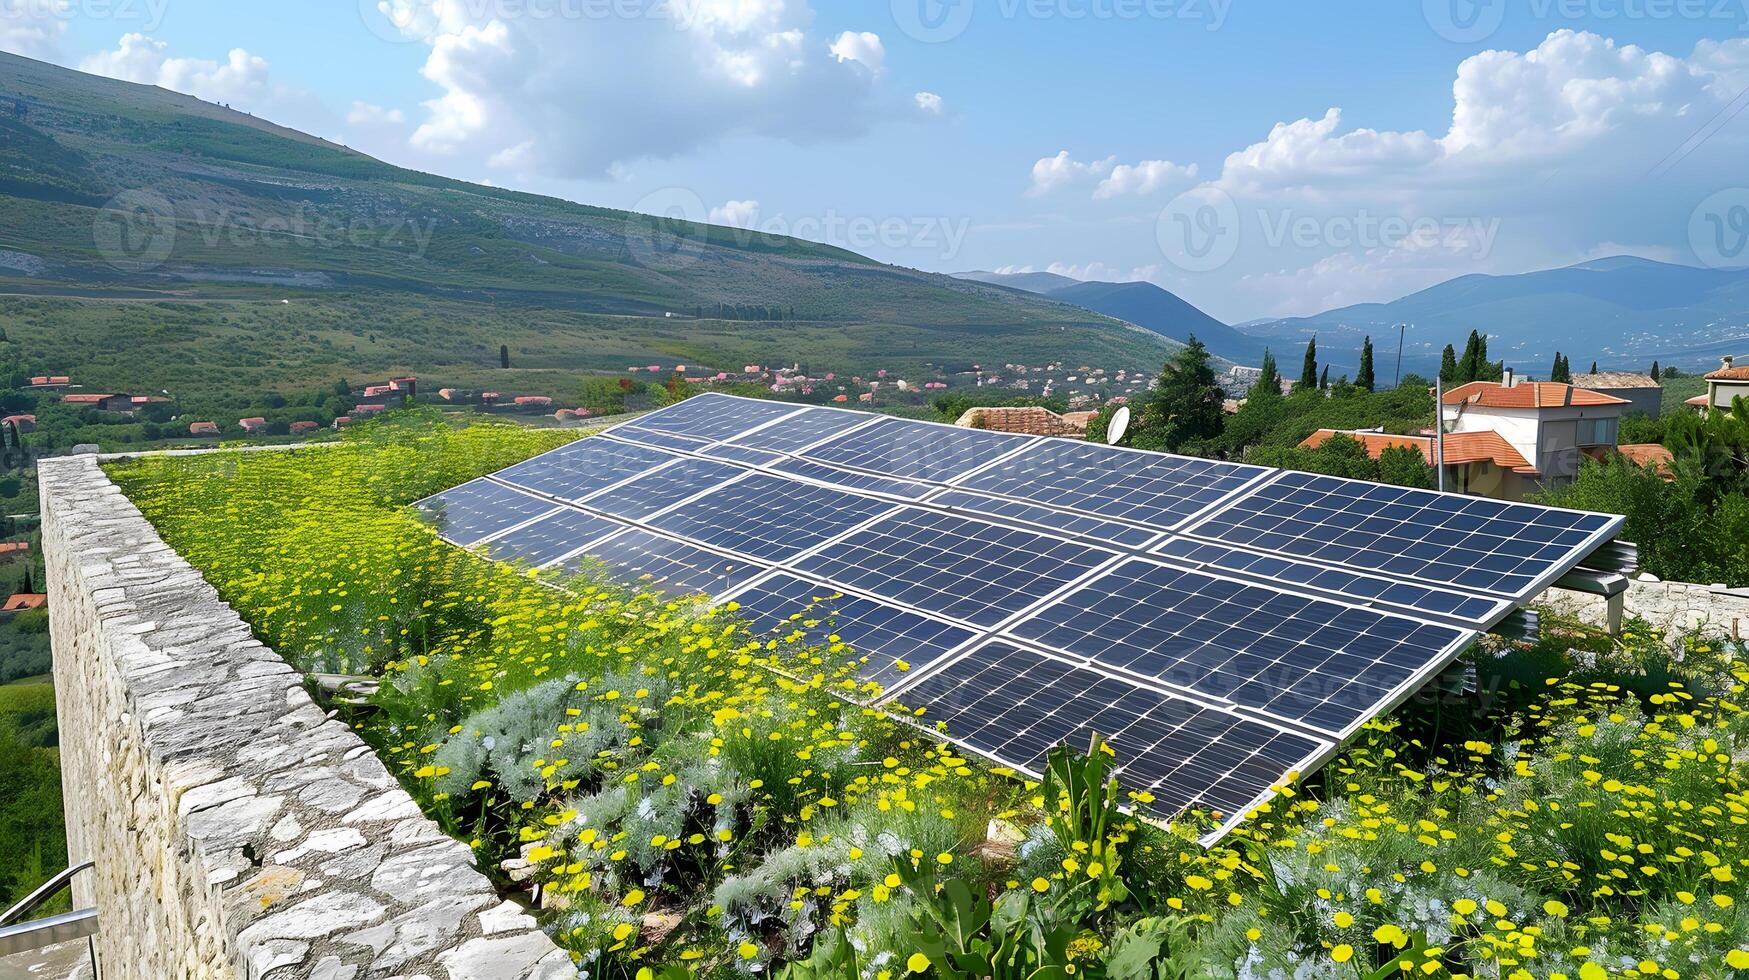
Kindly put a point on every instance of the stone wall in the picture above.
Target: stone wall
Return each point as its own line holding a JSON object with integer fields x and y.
{"x": 237, "y": 829}
{"x": 1672, "y": 605}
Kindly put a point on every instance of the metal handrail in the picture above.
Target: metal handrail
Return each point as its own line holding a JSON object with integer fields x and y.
{"x": 47, "y": 890}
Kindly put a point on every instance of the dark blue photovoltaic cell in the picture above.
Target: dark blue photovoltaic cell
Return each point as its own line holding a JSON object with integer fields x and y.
{"x": 667, "y": 486}
{"x": 888, "y": 642}
{"x": 851, "y": 480}
{"x": 768, "y": 517}
{"x": 1363, "y": 588}
{"x": 1015, "y": 705}
{"x": 551, "y": 537}
{"x": 1072, "y": 524}
{"x": 798, "y": 432}
{"x": 916, "y": 450}
{"x": 1471, "y": 542}
{"x": 968, "y": 570}
{"x": 465, "y": 514}
{"x": 650, "y": 561}
{"x": 742, "y": 454}
{"x": 1303, "y": 660}
{"x": 1147, "y": 488}
{"x": 652, "y": 437}
{"x": 709, "y": 417}
{"x": 583, "y": 467}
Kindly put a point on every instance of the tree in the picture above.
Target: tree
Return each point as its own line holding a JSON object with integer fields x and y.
{"x": 1404, "y": 466}
{"x": 1185, "y": 410}
{"x": 1364, "y": 379}
{"x": 503, "y": 355}
{"x": 1309, "y": 368}
{"x": 1655, "y": 371}
{"x": 1268, "y": 379}
{"x": 1593, "y": 367}
{"x": 343, "y": 389}
{"x": 1324, "y": 379}
{"x": 1560, "y": 372}
{"x": 1448, "y": 366}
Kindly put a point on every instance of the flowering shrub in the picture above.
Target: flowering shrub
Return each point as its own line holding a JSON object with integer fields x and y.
{"x": 683, "y": 797}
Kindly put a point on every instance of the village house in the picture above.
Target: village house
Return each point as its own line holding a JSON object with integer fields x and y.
{"x": 303, "y": 428}
{"x": 533, "y": 401}
{"x": 1553, "y": 427}
{"x": 102, "y": 402}
{"x": 374, "y": 408}
{"x": 254, "y": 425}
{"x": 203, "y": 428}
{"x": 20, "y": 423}
{"x": 20, "y": 601}
{"x": 50, "y": 381}
{"x": 341, "y": 422}
{"x": 1032, "y": 420}
{"x": 1729, "y": 382}
{"x": 1639, "y": 390}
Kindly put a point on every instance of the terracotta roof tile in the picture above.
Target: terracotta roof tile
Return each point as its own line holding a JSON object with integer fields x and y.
{"x": 1460, "y": 447}
{"x": 1614, "y": 379}
{"x": 1527, "y": 394}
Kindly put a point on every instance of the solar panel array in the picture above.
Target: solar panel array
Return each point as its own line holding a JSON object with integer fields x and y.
{"x": 1224, "y": 626}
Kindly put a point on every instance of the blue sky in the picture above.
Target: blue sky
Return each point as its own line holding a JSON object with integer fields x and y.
{"x": 1330, "y": 152}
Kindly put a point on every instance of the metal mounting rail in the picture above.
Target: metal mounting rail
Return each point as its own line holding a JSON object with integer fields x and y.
{"x": 19, "y": 936}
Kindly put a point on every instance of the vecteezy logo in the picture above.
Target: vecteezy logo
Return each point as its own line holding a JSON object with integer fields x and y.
{"x": 1199, "y": 229}
{"x": 666, "y": 229}
{"x": 1718, "y": 230}
{"x": 933, "y": 21}
{"x": 1464, "y": 21}
{"x": 135, "y": 230}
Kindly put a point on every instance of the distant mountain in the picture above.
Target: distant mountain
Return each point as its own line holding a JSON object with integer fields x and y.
{"x": 150, "y": 240}
{"x": 1031, "y": 282}
{"x": 1622, "y": 312}
{"x": 1141, "y": 303}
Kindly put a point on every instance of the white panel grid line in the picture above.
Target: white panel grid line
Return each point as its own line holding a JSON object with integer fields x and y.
{"x": 495, "y": 535}
{"x": 958, "y": 482}
{"x": 803, "y": 450}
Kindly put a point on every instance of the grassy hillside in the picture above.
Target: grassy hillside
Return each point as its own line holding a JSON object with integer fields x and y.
{"x": 153, "y": 240}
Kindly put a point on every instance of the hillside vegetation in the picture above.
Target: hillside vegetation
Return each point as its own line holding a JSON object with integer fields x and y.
{"x": 154, "y": 240}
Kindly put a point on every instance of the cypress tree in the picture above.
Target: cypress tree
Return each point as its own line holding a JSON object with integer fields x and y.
{"x": 1364, "y": 379}
{"x": 1269, "y": 379}
{"x": 1324, "y": 379}
{"x": 1448, "y": 367}
{"x": 1654, "y": 370}
{"x": 1561, "y": 372}
{"x": 1470, "y": 365}
{"x": 503, "y": 355}
{"x": 1593, "y": 367}
{"x": 1309, "y": 368}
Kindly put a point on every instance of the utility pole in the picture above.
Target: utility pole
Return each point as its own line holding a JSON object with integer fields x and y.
{"x": 1439, "y": 432}
{"x": 1402, "y": 330}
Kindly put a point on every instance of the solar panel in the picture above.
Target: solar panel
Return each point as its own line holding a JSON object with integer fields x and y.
{"x": 852, "y": 480}
{"x": 803, "y": 429}
{"x": 1147, "y": 488}
{"x": 967, "y": 570}
{"x": 1274, "y": 614}
{"x": 888, "y": 642}
{"x": 1305, "y": 661}
{"x": 581, "y": 468}
{"x": 1475, "y": 543}
{"x": 550, "y": 538}
{"x": 673, "y": 568}
{"x": 768, "y": 517}
{"x": 709, "y": 417}
{"x": 1076, "y": 525}
{"x": 663, "y": 488}
{"x": 478, "y": 509}
{"x": 1288, "y": 572}
{"x": 917, "y": 450}
{"x": 1015, "y": 705}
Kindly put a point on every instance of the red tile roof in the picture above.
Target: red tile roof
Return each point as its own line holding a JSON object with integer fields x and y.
{"x": 1730, "y": 374}
{"x": 1527, "y": 394}
{"x": 1460, "y": 447}
{"x": 1034, "y": 420}
{"x": 1649, "y": 454}
{"x": 12, "y": 547}
{"x": 84, "y": 399}
{"x": 1700, "y": 400}
{"x": 203, "y": 428}
{"x": 20, "y": 601}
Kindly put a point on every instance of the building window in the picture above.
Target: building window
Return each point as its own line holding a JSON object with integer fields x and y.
{"x": 1597, "y": 432}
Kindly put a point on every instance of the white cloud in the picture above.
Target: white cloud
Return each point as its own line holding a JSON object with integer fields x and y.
{"x": 241, "y": 78}
{"x": 1052, "y": 173}
{"x": 863, "y": 47}
{"x": 33, "y": 28}
{"x": 367, "y": 115}
{"x": 555, "y": 96}
{"x": 1111, "y": 179}
{"x": 1143, "y": 178}
{"x": 737, "y": 214}
{"x": 930, "y": 103}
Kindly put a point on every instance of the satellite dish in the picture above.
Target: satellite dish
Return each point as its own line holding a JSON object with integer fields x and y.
{"x": 1119, "y": 424}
